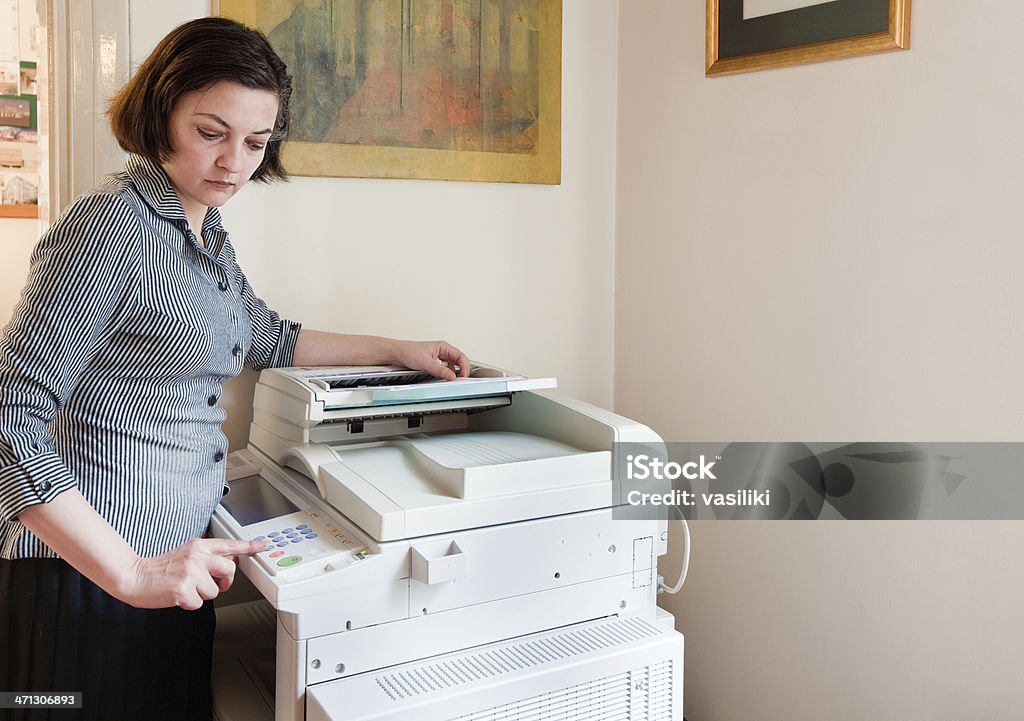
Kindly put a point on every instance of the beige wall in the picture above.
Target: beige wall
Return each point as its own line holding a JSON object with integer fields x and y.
{"x": 17, "y": 238}
{"x": 831, "y": 253}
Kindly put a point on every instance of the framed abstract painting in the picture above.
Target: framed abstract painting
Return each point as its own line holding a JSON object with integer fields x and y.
{"x": 429, "y": 89}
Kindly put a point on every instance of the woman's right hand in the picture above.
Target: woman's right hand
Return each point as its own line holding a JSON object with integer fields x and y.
{"x": 186, "y": 576}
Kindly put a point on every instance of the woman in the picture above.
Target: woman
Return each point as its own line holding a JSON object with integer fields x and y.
{"x": 111, "y": 453}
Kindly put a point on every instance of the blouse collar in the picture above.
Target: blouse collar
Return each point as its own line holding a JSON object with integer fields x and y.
{"x": 156, "y": 189}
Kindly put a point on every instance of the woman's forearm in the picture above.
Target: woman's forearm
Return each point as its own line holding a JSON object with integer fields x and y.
{"x": 77, "y": 533}
{"x": 317, "y": 348}
{"x": 185, "y": 576}
{"x": 439, "y": 358}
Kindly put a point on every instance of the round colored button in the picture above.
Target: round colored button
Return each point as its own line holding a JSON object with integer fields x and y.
{"x": 302, "y": 526}
{"x": 275, "y": 554}
{"x": 289, "y": 561}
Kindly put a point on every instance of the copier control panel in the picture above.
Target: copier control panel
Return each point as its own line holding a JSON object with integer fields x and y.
{"x": 301, "y": 542}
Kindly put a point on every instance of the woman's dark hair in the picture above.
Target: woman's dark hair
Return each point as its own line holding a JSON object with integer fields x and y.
{"x": 194, "y": 56}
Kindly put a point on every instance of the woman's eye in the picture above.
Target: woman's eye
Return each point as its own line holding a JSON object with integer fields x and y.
{"x": 256, "y": 147}
{"x": 206, "y": 135}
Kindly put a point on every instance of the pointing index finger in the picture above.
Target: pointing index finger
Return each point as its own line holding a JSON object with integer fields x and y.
{"x": 230, "y": 547}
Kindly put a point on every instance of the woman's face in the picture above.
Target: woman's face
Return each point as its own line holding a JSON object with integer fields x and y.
{"x": 218, "y": 137}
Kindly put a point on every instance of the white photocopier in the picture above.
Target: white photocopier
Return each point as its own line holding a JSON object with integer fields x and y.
{"x": 439, "y": 551}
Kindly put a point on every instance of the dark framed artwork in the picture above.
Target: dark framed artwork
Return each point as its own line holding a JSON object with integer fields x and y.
{"x": 741, "y": 38}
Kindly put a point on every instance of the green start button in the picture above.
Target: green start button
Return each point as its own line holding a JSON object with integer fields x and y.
{"x": 288, "y": 561}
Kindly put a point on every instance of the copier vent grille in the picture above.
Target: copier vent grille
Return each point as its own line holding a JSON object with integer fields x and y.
{"x": 643, "y": 694}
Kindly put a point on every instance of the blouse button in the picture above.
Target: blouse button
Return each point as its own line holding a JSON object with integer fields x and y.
{"x": 211, "y": 401}
{"x": 218, "y": 456}
{"x": 236, "y": 350}
{"x": 223, "y": 287}
{"x": 44, "y": 486}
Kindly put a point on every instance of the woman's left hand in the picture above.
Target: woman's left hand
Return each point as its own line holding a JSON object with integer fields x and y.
{"x": 438, "y": 358}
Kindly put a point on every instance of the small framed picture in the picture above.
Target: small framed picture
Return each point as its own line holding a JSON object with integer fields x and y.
{"x": 745, "y": 35}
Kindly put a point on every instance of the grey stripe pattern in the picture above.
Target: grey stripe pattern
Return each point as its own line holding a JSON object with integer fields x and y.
{"x": 112, "y": 364}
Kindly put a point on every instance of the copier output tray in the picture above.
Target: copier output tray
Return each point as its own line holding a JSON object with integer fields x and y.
{"x": 417, "y": 486}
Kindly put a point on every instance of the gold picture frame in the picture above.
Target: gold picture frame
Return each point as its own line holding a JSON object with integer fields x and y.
{"x": 822, "y": 31}
{"x": 19, "y": 211}
{"x": 495, "y": 66}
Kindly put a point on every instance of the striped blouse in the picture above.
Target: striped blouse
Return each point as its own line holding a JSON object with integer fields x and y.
{"x": 112, "y": 364}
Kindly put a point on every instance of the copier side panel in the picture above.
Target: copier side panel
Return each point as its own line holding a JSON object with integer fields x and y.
{"x": 538, "y": 555}
{"x": 494, "y": 563}
{"x": 419, "y": 637}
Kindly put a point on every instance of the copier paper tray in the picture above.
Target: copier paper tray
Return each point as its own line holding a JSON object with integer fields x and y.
{"x": 627, "y": 668}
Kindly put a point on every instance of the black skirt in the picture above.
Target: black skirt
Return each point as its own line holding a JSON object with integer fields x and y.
{"x": 60, "y": 632}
